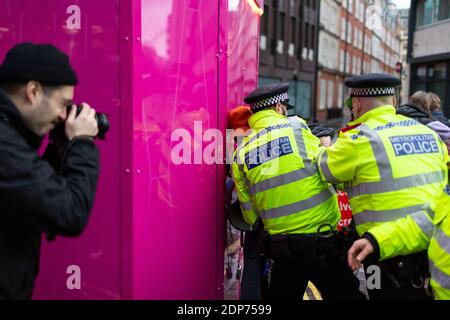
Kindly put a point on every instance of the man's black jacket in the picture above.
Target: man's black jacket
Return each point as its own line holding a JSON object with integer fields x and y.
{"x": 415, "y": 112}
{"x": 36, "y": 199}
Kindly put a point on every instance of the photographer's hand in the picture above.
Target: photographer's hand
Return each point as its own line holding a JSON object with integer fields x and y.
{"x": 84, "y": 124}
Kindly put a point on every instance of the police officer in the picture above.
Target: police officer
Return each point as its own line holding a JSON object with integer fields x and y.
{"x": 439, "y": 250}
{"x": 393, "y": 168}
{"x": 438, "y": 247}
{"x": 276, "y": 180}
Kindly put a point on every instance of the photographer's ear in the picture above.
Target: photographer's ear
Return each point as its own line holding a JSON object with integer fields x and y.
{"x": 33, "y": 92}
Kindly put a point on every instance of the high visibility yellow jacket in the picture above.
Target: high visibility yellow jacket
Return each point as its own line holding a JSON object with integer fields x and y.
{"x": 393, "y": 168}
{"x": 439, "y": 250}
{"x": 404, "y": 240}
{"x": 276, "y": 178}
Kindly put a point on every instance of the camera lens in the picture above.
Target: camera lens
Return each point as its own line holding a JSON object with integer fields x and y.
{"x": 103, "y": 125}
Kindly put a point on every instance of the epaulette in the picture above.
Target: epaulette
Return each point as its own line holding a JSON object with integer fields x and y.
{"x": 343, "y": 130}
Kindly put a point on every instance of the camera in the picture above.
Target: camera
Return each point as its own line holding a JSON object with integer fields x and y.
{"x": 58, "y": 133}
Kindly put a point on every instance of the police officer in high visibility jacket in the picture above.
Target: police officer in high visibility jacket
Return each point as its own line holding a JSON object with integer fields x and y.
{"x": 439, "y": 250}
{"x": 393, "y": 169}
{"x": 277, "y": 181}
{"x": 438, "y": 247}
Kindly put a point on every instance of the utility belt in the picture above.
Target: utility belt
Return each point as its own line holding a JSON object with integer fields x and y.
{"x": 407, "y": 271}
{"x": 326, "y": 246}
{"x": 330, "y": 243}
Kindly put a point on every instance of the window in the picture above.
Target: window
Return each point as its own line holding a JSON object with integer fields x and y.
{"x": 292, "y": 7}
{"x": 306, "y": 38}
{"x": 340, "y": 88}
{"x": 347, "y": 62}
{"x": 355, "y": 37}
{"x": 293, "y": 30}
{"x": 323, "y": 49}
{"x": 303, "y": 101}
{"x": 264, "y": 28}
{"x": 291, "y": 49}
{"x": 362, "y": 10}
{"x": 350, "y": 6}
{"x": 349, "y": 33}
{"x": 432, "y": 11}
{"x": 281, "y": 33}
{"x": 330, "y": 94}
{"x": 323, "y": 94}
{"x": 437, "y": 71}
{"x": 341, "y": 60}
{"x": 265, "y": 21}
{"x": 359, "y": 39}
{"x": 343, "y": 24}
{"x": 432, "y": 77}
{"x": 367, "y": 44}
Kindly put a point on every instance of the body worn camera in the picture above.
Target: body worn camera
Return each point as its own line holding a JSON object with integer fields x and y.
{"x": 58, "y": 133}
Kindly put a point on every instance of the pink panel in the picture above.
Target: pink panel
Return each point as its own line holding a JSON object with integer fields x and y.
{"x": 176, "y": 216}
{"x": 94, "y": 53}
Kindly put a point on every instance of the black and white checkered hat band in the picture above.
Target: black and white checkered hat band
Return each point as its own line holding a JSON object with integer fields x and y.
{"x": 372, "y": 92}
{"x": 269, "y": 101}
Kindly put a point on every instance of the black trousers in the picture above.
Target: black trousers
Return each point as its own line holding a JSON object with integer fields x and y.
{"x": 298, "y": 259}
{"x": 401, "y": 278}
{"x": 252, "y": 278}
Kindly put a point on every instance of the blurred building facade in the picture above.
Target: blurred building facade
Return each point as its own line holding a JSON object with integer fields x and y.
{"x": 429, "y": 48}
{"x": 288, "y": 49}
{"x": 405, "y": 68}
{"x": 355, "y": 37}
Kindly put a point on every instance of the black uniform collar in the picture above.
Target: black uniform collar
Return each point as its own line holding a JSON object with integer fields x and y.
{"x": 8, "y": 109}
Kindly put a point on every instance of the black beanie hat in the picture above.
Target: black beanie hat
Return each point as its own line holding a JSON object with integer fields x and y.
{"x": 39, "y": 62}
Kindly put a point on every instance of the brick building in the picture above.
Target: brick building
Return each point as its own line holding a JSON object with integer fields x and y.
{"x": 355, "y": 37}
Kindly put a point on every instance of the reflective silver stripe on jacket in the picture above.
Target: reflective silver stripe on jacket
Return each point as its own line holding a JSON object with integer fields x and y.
{"x": 326, "y": 169}
{"x": 396, "y": 184}
{"x": 424, "y": 223}
{"x": 439, "y": 276}
{"x": 367, "y": 216}
{"x": 295, "y": 207}
{"x": 379, "y": 151}
{"x": 247, "y": 206}
{"x": 442, "y": 239}
{"x": 280, "y": 180}
{"x": 297, "y": 127}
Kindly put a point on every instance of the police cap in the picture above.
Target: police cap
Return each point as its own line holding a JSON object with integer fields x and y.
{"x": 268, "y": 95}
{"x": 371, "y": 85}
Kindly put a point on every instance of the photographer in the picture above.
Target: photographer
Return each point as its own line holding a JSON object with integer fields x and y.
{"x": 36, "y": 88}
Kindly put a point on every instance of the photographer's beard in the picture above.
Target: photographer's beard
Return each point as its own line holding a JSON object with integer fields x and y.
{"x": 42, "y": 117}
{"x": 48, "y": 110}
